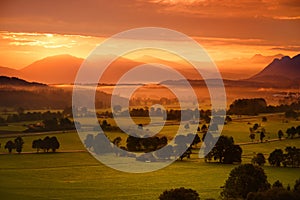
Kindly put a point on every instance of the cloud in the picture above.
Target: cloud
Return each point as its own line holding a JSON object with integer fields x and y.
{"x": 45, "y": 40}
{"x": 287, "y": 48}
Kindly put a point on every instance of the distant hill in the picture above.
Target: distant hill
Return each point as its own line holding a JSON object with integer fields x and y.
{"x": 53, "y": 69}
{"x": 280, "y": 70}
{"x": 15, "y": 92}
{"x": 4, "y": 80}
{"x": 62, "y": 69}
{"x": 5, "y": 71}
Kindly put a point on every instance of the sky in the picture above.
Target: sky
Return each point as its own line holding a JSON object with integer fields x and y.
{"x": 228, "y": 29}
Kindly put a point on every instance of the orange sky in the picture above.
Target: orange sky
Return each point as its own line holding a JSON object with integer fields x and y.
{"x": 229, "y": 29}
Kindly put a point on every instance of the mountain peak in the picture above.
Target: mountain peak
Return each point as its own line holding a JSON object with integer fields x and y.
{"x": 286, "y": 67}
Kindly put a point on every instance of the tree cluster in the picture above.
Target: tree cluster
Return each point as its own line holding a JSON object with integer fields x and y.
{"x": 46, "y": 144}
{"x": 225, "y": 151}
{"x": 291, "y": 157}
{"x": 277, "y": 192}
{"x": 291, "y": 132}
{"x": 16, "y": 144}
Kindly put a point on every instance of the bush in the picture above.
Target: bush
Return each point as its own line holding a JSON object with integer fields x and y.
{"x": 179, "y": 194}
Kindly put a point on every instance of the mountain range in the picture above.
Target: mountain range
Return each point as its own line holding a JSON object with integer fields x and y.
{"x": 63, "y": 69}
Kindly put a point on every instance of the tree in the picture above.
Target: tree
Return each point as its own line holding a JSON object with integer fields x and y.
{"x": 225, "y": 151}
{"x": 291, "y": 157}
{"x": 297, "y": 185}
{"x": 204, "y": 128}
{"x": 244, "y": 179}
{"x": 179, "y": 194}
{"x": 165, "y": 153}
{"x": 276, "y": 157}
{"x": 264, "y": 119}
{"x": 117, "y": 141}
{"x": 19, "y": 144}
{"x": 252, "y": 136}
{"x": 10, "y": 145}
{"x": 186, "y": 154}
{"x": 291, "y": 114}
{"x": 196, "y": 139}
{"x": 259, "y": 159}
{"x": 248, "y": 106}
{"x": 51, "y": 124}
{"x": 277, "y": 184}
{"x": 298, "y": 130}
{"x": 273, "y": 194}
{"x": 54, "y": 144}
{"x": 37, "y": 144}
{"x": 280, "y": 134}
{"x": 262, "y": 136}
{"x": 291, "y": 132}
{"x": 101, "y": 144}
{"x": 46, "y": 145}
{"x": 89, "y": 141}
{"x": 233, "y": 154}
{"x": 255, "y": 126}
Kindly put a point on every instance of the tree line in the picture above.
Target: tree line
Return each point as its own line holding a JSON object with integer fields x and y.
{"x": 159, "y": 145}
{"x": 256, "y": 106}
{"x": 40, "y": 144}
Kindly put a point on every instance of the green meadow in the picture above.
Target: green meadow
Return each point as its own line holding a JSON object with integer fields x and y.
{"x": 78, "y": 175}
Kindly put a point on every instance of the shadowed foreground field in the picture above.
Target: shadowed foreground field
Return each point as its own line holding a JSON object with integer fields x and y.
{"x": 80, "y": 176}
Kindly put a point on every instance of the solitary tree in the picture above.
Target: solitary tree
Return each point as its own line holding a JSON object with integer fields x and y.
{"x": 252, "y": 136}
{"x": 179, "y": 194}
{"x": 9, "y": 146}
{"x": 19, "y": 144}
{"x": 280, "y": 134}
{"x": 262, "y": 136}
{"x": 264, "y": 119}
{"x": 243, "y": 180}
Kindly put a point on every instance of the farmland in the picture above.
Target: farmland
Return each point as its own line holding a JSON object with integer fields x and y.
{"x": 70, "y": 174}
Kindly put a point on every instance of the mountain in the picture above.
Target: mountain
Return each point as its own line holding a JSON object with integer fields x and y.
{"x": 243, "y": 68}
{"x": 282, "y": 69}
{"x": 259, "y": 58}
{"x": 5, "y": 71}
{"x": 53, "y": 69}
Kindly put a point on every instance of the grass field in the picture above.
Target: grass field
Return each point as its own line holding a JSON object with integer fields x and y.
{"x": 80, "y": 176}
